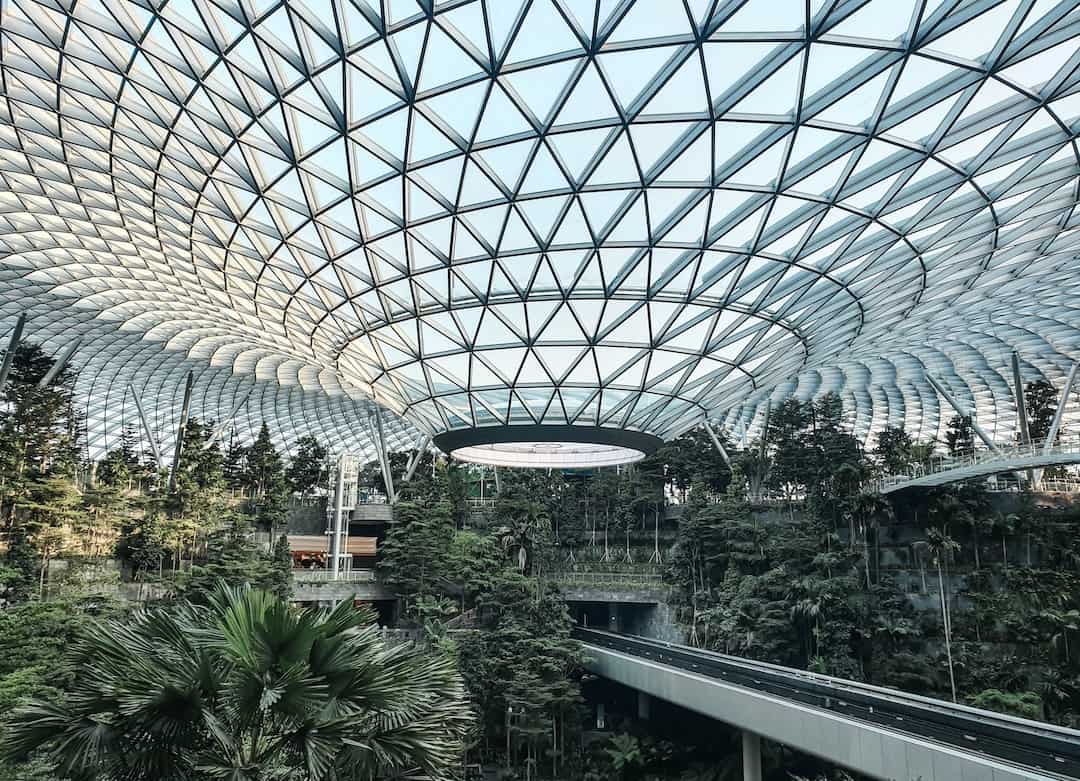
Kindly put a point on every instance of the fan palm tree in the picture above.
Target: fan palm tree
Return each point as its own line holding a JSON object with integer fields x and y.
{"x": 246, "y": 688}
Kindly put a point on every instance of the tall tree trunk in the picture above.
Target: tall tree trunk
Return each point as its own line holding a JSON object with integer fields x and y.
{"x": 948, "y": 632}
{"x": 866, "y": 553}
{"x": 44, "y": 569}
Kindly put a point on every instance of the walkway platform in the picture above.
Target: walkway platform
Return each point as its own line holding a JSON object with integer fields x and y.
{"x": 983, "y": 463}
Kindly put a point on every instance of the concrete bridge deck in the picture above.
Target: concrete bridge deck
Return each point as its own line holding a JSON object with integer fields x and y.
{"x": 881, "y": 733}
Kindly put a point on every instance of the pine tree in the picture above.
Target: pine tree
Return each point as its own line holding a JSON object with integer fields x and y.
{"x": 416, "y": 553}
{"x": 279, "y": 579}
{"x": 309, "y": 468}
{"x": 234, "y": 462}
{"x": 266, "y": 484}
{"x": 39, "y": 436}
{"x": 264, "y": 470}
{"x": 197, "y": 501}
{"x": 232, "y": 557}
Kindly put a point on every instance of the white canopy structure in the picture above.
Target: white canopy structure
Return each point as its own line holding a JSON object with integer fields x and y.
{"x": 542, "y": 231}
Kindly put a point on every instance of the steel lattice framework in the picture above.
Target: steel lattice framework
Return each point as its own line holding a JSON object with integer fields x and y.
{"x": 543, "y": 219}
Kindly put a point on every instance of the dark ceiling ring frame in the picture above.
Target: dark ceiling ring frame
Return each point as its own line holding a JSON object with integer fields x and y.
{"x": 450, "y": 441}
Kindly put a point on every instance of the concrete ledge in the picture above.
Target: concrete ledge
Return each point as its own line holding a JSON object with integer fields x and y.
{"x": 637, "y": 596}
{"x": 856, "y": 745}
{"x": 372, "y": 513}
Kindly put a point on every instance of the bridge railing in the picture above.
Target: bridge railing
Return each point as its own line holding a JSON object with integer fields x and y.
{"x": 1010, "y": 457}
{"x": 326, "y": 576}
{"x": 626, "y": 579}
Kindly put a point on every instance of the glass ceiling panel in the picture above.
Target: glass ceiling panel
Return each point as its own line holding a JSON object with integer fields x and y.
{"x": 611, "y": 216}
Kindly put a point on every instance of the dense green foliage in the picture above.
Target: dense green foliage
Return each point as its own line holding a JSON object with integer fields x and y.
{"x": 520, "y": 666}
{"x": 246, "y": 688}
{"x": 233, "y": 559}
{"x": 804, "y": 582}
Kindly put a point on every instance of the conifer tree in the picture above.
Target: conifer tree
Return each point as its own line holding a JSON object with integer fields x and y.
{"x": 309, "y": 468}
{"x": 416, "y": 552}
{"x": 279, "y": 579}
{"x": 40, "y": 432}
{"x": 265, "y": 481}
{"x": 524, "y": 659}
{"x": 232, "y": 557}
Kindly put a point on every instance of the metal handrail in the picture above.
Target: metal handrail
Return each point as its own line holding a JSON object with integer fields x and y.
{"x": 326, "y": 576}
{"x": 1004, "y": 455}
{"x": 566, "y": 576}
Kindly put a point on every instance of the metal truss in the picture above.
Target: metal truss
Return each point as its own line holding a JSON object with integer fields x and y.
{"x": 627, "y": 215}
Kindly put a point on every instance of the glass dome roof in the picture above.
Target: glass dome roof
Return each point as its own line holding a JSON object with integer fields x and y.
{"x": 532, "y": 221}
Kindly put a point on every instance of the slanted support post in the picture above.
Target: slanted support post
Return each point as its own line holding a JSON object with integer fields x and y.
{"x": 219, "y": 431}
{"x": 185, "y": 408}
{"x": 963, "y": 413}
{"x": 1059, "y": 415}
{"x": 751, "y": 756}
{"x": 13, "y": 345}
{"x": 146, "y": 429}
{"x": 1021, "y": 410}
{"x": 59, "y": 364}
{"x": 1021, "y": 407}
{"x": 716, "y": 443}
{"x": 419, "y": 449}
{"x": 384, "y": 457}
{"x": 498, "y": 485}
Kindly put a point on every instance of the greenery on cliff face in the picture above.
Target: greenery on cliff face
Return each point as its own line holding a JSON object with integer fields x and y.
{"x": 1000, "y": 591}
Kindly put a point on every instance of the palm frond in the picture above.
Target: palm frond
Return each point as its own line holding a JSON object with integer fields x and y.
{"x": 245, "y": 687}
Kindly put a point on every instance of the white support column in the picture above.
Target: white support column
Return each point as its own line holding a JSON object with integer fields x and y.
{"x": 498, "y": 485}
{"x": 59, "y": 363}
{"x": 146, "y": 428}
{"x": 185, "y": 408}
{"x": 1059, "y": 414}
{"x": 963, "y": 413}
{"x": 421, "y": 446}
{"x": 384, "y": 457}
{"x": 1021, "y": 410}
{"x": 1055, "y": 425}
{"x": 223, "y": 426}
{"x": 751, "y": 756}
{"x": 13, "y": 345}
{"x": 716, "y": 443}
{"x": 335, "y": 538}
